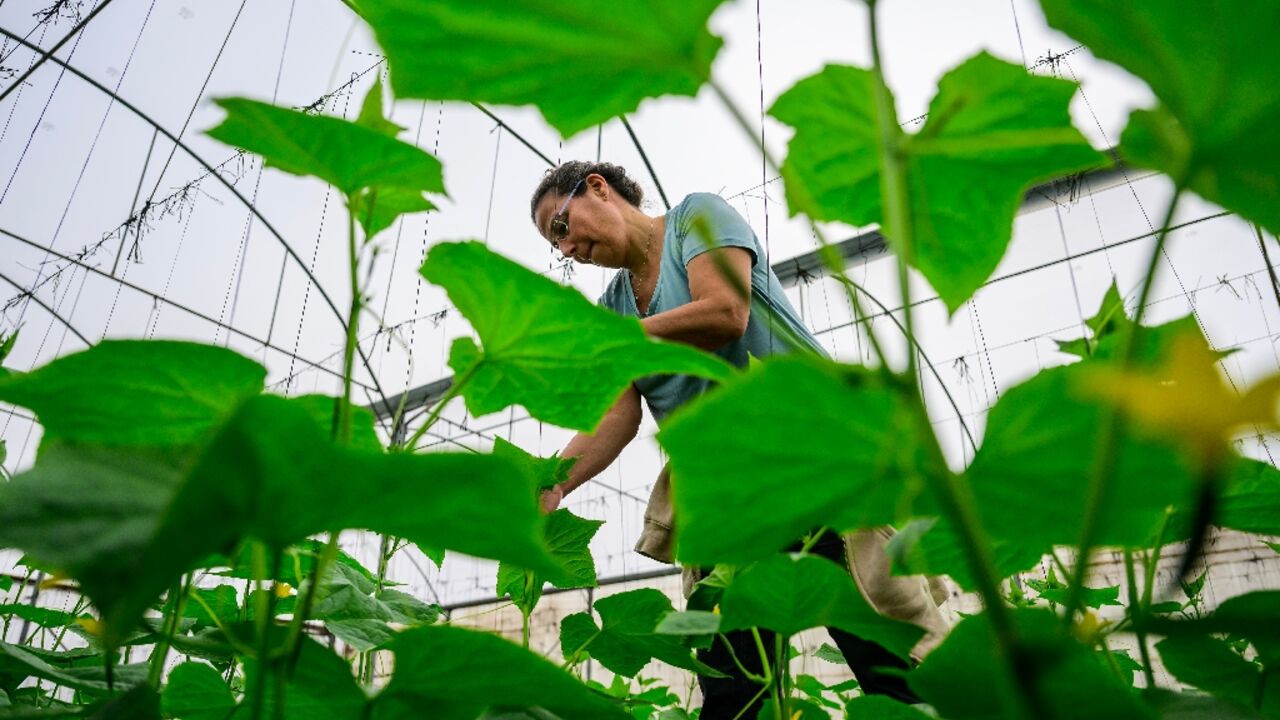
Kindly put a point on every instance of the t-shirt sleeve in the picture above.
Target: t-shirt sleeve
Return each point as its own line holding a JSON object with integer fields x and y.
{"x": 709, "y": 222}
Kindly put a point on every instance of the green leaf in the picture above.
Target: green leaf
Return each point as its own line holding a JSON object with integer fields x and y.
{"x": 1090, "y": 597}
{"x": 853, "y": 425}
{"x": 831, "y": 654}
{"x": 579, "y": 66}
{"x": 1217, "y": 108}
{"x": 689, "y": 622}
{"x": 1111, "y": 319}
{"x": 811, "y": 686}
{"x": 967, "y": 677}
{"x": 409, "y": 610}
{"x": 568, "y": 538}
{"x": 372, "y": 115}
{"x": 196, "y": 692}
{"x": 1028, "y": 478}
{"x": 221, "y": 600}
{"x": 323, "y": 410}
{"x": 1209, "y": 664}
{"x": 626, "y": 639}
{"x": 547, "y": 472}
{"x": 344, "y": 601}
{"x": 6, "y": 583}
{"x": 993, "y": 132}
{"x": 127, "y": 525}
{"x": 1251, "y": 498}
{"x": 1122, "y": 660}
{"x": 882, "y": 708}
{"x": 708, "y": 591}
{"x": 377, "y": 209}
{"x": 89, "y": 679}
{"x": 130, "y": 392}
{"x": 791, "y": 593}
{"x": 344, "y": 154}
{"x": 44, "y": 617}
{"x": 7, "y": 342}
{"x": 321, "y": 687}
{"x": 549, "y": 349}
{"x": 460, "y": 673}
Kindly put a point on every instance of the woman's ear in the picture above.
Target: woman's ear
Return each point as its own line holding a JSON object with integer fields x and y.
{"x": 598, "y": 185}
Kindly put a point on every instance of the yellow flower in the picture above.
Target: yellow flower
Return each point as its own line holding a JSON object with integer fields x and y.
{"x": 1186, "y": 398}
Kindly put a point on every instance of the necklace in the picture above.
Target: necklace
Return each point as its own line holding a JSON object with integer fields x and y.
{"x": 637, "y": 277}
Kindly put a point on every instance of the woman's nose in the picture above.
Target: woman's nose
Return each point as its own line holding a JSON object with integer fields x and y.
{"x": 567, "y": 247}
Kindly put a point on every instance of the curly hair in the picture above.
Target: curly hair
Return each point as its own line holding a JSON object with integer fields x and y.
{"x": 563, "y": 178}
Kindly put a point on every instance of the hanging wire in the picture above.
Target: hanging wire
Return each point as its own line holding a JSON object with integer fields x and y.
{"x": 237, "y": 271}
{"x": 645, "y": 157}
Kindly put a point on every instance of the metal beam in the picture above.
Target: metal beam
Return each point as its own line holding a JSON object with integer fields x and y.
{"x": 859, "y": 249}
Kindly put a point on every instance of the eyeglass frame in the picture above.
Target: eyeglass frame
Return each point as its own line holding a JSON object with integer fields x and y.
{"x": 562, "y": 218}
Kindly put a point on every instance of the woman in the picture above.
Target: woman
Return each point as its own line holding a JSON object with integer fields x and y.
{"x": 692, "y": 276}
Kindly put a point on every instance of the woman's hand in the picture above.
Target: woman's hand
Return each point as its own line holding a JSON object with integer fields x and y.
{"x": 550, "y": 499}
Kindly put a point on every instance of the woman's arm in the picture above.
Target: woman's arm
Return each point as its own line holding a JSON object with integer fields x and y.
{"x": 719, "y": 310}
{"x": 597, "y": 451}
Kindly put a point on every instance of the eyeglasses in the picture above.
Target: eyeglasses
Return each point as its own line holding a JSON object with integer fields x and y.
{"x": 559, "y": 225}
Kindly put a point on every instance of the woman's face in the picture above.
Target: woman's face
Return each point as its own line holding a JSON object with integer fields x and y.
{"x": 587, "y": 228}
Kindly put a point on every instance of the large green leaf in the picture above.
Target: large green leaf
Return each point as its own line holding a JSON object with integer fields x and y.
{"x": 460, "y": 673}
{"x": 130, "y": 392}
{"x": 545, "y": 346}
{"x": 580, "y": 66}
{"x": 345, "y": 602}
{"x": 90, "y": 679}
{"x": 568, "y": 538}
{"x": 344, "y": 154}
{"x": 791, "y": 593}
{"x": 1029, "y": 478}
{"x": 968, "y": 678}
{"x": 1211, "y": 665}
{"x": 320, "y": 687}
{"x": 993, "y": 132}
{"x": 1219, "y": 104}
{"x": 127, "y": 525}
{"x": 196, "y": 691}
{"x": 625, "y": 640}
{"x": 834, "y": 458}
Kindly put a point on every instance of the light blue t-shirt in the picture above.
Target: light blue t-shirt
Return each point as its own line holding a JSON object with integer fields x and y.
{"x": 680, "y": 244}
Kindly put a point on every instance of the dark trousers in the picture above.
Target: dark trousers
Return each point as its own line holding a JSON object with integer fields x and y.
{"x": 726, "y": 698}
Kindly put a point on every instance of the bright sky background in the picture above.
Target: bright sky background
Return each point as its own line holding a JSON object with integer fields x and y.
{"x": 73, "y": 168}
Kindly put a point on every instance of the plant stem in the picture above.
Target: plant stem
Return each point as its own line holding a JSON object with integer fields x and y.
{"x": 454, "y": 389}
{"x": 893, "y": 185}
{"x": 954, "y": 494}
{"x": 303, "y": 609}
{"x": 1137, "y": 618}
{"x": 160, "y": 653}
{"x": 1112, "y": 426}
{"x": 761, "y": 679}
{"x": 342, "y": 426}
{"x": 262, "y": 626}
